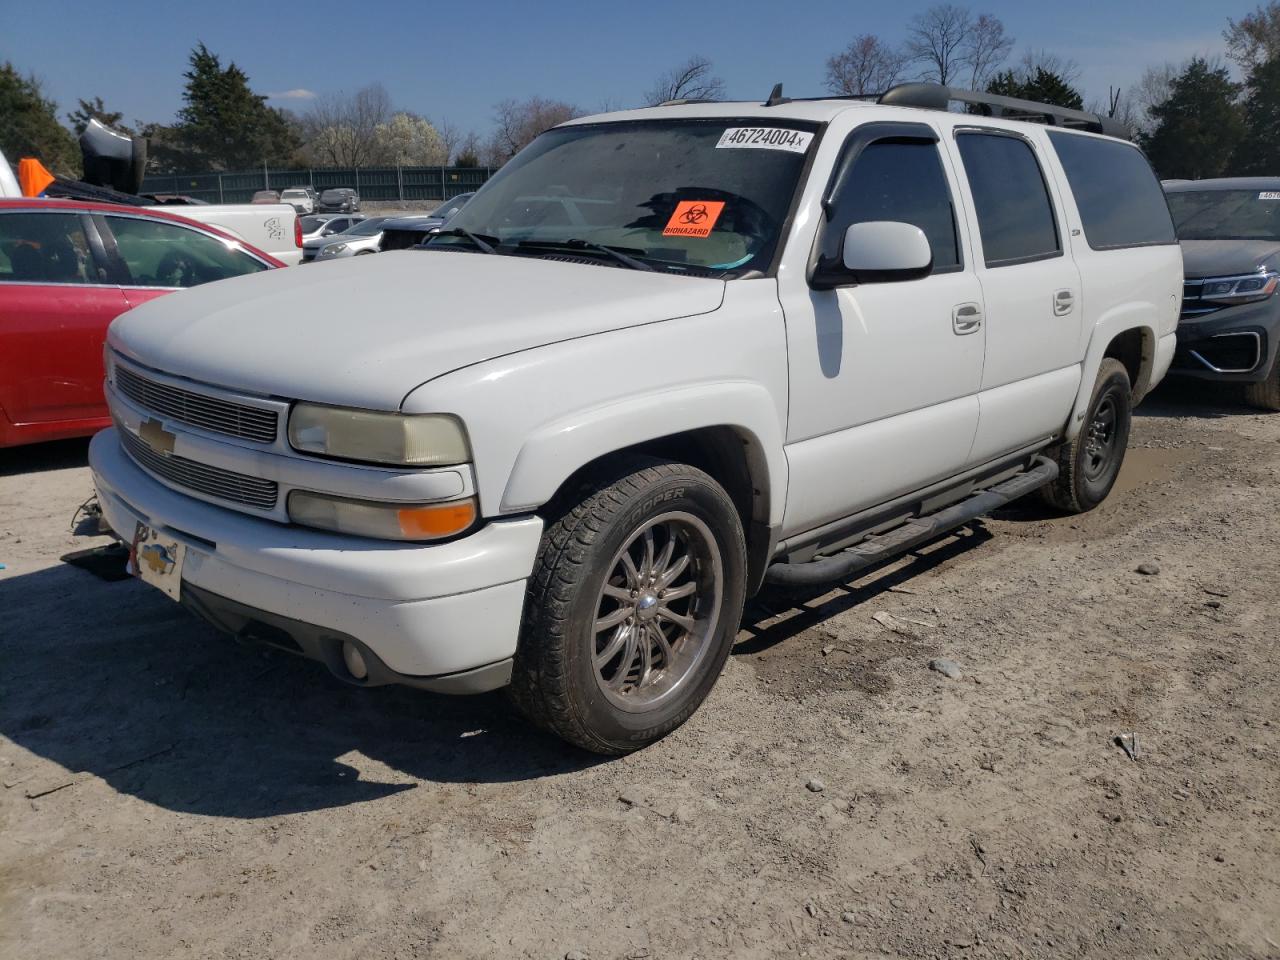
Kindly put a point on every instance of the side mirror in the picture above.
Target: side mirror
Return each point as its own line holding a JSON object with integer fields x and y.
{"x": 876, "y": 252}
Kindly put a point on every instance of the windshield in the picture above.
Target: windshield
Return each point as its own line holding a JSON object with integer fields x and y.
{"x": 447, "y": 210}
{"x": 681, "y": 195}
{"x": 1226, "y": 214}
{"x": 294, "y": 194}
{"x": 312, "y": 224}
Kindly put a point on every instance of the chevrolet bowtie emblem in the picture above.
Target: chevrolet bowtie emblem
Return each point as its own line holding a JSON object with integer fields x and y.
{"x": 156, "y": 437}
{"x": 156, "y": 557}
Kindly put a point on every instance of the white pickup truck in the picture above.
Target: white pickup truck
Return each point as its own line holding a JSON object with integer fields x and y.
{"x": 273, "y": 228}
{"x": 662, "y": 358}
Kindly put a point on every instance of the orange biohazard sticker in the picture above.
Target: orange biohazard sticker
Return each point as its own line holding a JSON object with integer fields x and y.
{"x": 693, "y": 218}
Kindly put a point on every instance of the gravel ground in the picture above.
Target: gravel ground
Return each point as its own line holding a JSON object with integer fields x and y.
{"x": 168, "y": 793}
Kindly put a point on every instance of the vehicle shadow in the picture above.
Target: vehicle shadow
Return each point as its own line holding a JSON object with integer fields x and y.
{"x": 116, "y": 681}
{"x": 802, "y": 609}
{"x": 1203, "y": 399}
{"x": 43, "y": 457}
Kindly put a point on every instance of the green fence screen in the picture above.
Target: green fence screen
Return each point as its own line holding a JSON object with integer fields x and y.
{"x": 372, "y": 183}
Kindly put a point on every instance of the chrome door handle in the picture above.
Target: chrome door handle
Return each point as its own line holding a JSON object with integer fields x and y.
{"x": 966, "y": 318}
{"x": 1063, "y": 302}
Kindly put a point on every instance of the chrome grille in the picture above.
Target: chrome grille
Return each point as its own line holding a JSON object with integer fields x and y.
{"x": 201, "y": 477}
{"x": 198, "y": 409}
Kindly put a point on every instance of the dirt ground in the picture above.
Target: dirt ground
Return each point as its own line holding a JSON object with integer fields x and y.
{"x": 168, "y": 793}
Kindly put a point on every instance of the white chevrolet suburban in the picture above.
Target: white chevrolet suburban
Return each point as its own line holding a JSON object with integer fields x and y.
{"x": 663, "y": 357}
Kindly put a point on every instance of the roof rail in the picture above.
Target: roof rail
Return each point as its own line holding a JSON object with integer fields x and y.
{"x": 935, "y": 96}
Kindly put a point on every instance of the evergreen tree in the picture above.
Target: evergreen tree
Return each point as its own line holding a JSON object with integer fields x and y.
{"x": 1043, "y": 86}
{"x": 225, "y": 124}
{"x": 29, "y": 125}
{"x": 1259, "y": 151}
{"x": 95, "y": 109}
{"x": 1197, "y": 129}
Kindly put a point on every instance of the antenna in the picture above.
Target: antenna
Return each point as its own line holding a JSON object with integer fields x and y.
{"x": 776, "y": 98}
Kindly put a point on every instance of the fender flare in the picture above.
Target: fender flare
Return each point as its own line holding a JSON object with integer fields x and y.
{"x": 555, "y": 451}
{"x": 1107, "y": 329}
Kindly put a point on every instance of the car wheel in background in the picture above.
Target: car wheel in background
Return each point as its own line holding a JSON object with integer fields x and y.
{"x": 632, "y": 607}
{"x": 1266, "y": 394}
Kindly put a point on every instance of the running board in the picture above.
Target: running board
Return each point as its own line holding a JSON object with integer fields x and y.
{"x": 913, "y": 533}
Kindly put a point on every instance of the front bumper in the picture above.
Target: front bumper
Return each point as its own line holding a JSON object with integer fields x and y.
{"x": 442, "y": 616}
{"x": 1234, "y": 344}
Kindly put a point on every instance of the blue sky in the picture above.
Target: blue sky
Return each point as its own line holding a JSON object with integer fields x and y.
{"x": 455, "y": 60}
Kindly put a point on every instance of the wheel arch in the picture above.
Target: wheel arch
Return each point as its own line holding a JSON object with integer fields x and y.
{"x": 1134, "y": 345}
{"x": 743, "y": 454}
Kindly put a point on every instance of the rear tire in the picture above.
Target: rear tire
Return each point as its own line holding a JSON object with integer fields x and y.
{"x": 633, "y": 605}
{"x": 1089, "y": 465}
{"x": 1266, "y": 395}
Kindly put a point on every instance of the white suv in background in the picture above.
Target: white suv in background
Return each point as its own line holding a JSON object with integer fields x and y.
{"x": 662, "y": 358}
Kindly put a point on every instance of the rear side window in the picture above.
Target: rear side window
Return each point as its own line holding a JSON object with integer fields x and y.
{"x": 1120, "y": 201}
{"x": 1015, "y": 214}
{"x": 45, "y": 248}
{"x": 168, "y": 255}
{"x": 897, "y": 180}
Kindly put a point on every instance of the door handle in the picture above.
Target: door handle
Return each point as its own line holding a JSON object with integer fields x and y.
{"x": 966, "y": 318}
{"x": 1063, "y": 301}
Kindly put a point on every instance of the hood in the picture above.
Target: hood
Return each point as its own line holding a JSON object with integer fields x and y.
{"x": 424, "y": 222}
{"x": 365, "y": 331}
{"x": 1228, "y": 258}
{"x": 312, "y": 243}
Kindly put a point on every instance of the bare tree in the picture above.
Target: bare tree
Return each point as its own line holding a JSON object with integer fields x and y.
{"x": 1151, "y": 91}
{"x": 451, "y": 136}
{"x": 985, "y": 49}
{"x": 1255, "y": 37}
{"x": 1034, "y": 60}
{"x": 342, "y": 128}
{"x": 518, "y": 122}
{"x": 866, "y": 65}
{"x": 692, "y": 80}
{"x": 937, "y": 38}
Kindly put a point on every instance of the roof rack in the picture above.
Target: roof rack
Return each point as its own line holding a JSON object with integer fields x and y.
{"x": 935, "y": 96}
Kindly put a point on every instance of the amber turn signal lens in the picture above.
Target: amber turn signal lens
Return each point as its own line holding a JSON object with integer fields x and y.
{"x": 440, "y": 520}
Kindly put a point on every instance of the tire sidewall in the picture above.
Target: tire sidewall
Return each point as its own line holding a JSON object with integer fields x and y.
{"x": 1090, "y": 493}
{"x": 616, "y": 727}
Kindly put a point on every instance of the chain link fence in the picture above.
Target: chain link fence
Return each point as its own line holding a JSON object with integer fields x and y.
{"x": 372, "y": 183}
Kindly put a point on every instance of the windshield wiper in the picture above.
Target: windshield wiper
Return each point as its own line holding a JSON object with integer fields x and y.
{"x": 484, "y": 244}
{"x": 575, "y": 244}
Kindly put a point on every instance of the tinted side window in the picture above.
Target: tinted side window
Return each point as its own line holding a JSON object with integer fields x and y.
{"x": 45, "y": 248}
{"x": 1120, "y": 201}
{"x": 1015, "y": 215}
{"x": 167, "y": 255}
{"x": 897, "y": 180}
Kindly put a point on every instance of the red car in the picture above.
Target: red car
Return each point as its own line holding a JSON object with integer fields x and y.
{"x": 67, "y": 269}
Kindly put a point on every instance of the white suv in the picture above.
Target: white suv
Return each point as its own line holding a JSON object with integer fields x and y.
{"x": 661, "y": 358}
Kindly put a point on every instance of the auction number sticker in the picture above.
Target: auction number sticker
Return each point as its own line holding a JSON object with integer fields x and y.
{"x": 1268, "y": 195}
{"x": 765, "y": 138}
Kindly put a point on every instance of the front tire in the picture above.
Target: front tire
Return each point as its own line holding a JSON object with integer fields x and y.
{"x": 1089, "y": 465}
{"x": 633, "y": 605}
{"x": 1266, "y": 395}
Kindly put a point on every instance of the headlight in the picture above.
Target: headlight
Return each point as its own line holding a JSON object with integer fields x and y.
{"x": 385, "y": 521}
{"x": 407, "y": 440}
{"x": 333, "y": 249}
{"x": 1257, "y": 286}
